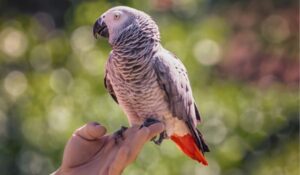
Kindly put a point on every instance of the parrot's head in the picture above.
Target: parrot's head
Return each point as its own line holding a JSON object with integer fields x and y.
{"x": 125, "y": 23}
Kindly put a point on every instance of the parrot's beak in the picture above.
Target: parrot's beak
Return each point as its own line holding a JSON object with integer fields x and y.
{"x": 100, "y": 29}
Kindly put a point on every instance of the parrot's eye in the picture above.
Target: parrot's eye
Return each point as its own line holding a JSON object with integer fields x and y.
{"x": 117, "y": 15}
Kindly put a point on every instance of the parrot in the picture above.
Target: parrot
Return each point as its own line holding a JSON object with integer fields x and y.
{"x": 147, "y": 81}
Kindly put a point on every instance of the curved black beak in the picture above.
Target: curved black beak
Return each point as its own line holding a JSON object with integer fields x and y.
{"x": 100, "y": 29}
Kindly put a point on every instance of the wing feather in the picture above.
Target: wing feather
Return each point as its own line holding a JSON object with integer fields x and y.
{"x": 109, "y": 87}
{"x": 173, "y": 79}
{"x": 107, "y": 83}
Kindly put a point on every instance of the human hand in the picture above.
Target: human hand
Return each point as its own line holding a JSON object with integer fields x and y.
{"x": 90, "y": 151}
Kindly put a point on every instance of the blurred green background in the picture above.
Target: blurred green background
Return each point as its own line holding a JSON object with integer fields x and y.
{"x": 242, "y": 59}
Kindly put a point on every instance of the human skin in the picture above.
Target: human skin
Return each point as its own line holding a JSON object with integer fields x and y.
{"x": 91, "y": 151}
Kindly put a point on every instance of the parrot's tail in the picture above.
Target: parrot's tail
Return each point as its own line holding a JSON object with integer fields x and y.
{"x": 188, "y": 145}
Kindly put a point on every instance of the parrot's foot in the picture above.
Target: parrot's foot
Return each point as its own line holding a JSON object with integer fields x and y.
{"x": 149, "y": 122}
{"x": 162, "y": 136}
{"x": 119, "y": 134}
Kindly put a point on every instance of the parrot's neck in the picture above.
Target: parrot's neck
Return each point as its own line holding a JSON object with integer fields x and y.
{"x": 143, "y": 47}
{"x": 132, "y": 61}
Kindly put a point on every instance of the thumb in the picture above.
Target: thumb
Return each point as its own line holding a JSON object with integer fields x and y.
{"x": 83, "y": 145}
{"x": 91, "y": 131}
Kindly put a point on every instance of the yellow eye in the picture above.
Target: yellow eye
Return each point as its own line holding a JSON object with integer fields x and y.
{"x": 117, "y": 15}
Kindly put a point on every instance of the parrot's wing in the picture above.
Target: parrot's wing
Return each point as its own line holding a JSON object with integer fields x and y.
{"x": 109, "y": 87}
{"x": 173, "y": 79}
{"x": 198, "y": 117}
{"x": 108, "y": 84}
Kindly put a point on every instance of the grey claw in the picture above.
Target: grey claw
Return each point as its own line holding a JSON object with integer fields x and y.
{"x": 120, "y": 134}
{"x": 162, "y": 136}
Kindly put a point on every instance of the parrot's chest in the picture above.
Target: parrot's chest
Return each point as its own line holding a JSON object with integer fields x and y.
{"x": 148, "y": 102}
{"x": 144, "y": 99}
{"x": 139, "y": 94}
{"x": 141, "y": 97}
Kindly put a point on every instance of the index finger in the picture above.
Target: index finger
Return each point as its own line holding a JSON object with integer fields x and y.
{"x": 139, "y": 138}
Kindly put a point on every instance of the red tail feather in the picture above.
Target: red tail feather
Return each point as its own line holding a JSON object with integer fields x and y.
{"x": 187, "y": 144}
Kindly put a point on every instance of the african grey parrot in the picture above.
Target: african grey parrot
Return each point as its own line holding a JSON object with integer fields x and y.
{"x": 147, "y": 81}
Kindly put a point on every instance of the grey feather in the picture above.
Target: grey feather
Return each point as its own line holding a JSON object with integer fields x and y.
{"x": 173, "y": 79}
{"x": 109, "y": 87}
{"x": 107, "y": 83}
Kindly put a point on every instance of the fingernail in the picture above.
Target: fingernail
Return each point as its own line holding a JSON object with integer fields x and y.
{"x": 95, "y": 123}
